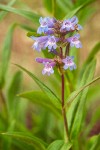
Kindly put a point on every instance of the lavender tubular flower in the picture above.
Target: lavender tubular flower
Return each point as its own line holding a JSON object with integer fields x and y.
{"x": 48, "y": 65}
{"x": 74, "y": 41}
{"x": 70, "y": 24}
{"x": 45, "y": 25}
{"x": 51, "y": 43}
{"x": 69, "y": 63}
{"x": 39, "y": 42}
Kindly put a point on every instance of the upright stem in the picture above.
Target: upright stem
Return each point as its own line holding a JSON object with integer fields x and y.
{"x": 63, "y": 109}
{"x": 62, "y": 98}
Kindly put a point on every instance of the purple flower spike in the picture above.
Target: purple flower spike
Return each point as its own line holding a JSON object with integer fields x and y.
{"x": 51, "y": 43}
{"x": 39, "y": 42}
{"x": 68, "y": 63}
{"x": 69, "y": 24}
{"x": 74, "y": 41}
{"x": 45, "y": 24}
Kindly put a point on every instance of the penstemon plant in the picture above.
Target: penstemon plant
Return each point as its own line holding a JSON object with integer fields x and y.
{"x": 58, "y": 36}
{"x": 62, "y": 122}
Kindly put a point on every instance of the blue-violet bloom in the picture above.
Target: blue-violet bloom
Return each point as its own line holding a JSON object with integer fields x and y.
{"x": 39, "y": 42}
{"x": 74, "y": 41}
{"x": 69, "y": 63}
{"x": 48, "y": 65}
{"x": 69, "y": 24}
{"x": 45, "y": 24}
{"x": 51, "y": 42}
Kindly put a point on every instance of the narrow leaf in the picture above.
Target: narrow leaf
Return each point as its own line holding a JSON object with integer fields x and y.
{"x": 6, "y": 52}
{"x": 92, "y": 54}
{"x": 76, "y": 10}
{"x": 42, "y": 99}
{"x": 77, "y": 92}
{"x": 75, "y": 111}
{"x": 30, "y": 140}
{"x": 81, "y": 99}
{"x": 54, "y": 99}
{"x": 4, "y": 13}
{"x": 27, "y": 14}
{"x": 93, "y": 143}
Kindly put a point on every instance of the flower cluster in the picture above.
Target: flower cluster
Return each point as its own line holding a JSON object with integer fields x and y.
{"x": 55, "y": 36}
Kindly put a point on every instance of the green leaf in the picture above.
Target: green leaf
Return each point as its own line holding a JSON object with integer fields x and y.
{"x": 33, "y": 34}
{"x": 13, "y": 90}
{"x": 92, "y": 54}
{"x": 75, "y": 111}
{"x": 59, "y": 145}
{"x": 76, "y": 10}
{"x": 3, "y": 13}
{"x": 27, "y": 14}
{"x": 54, "y": 99}
{"x": 93, "y": 143}
{"x": 30, "y": 140}
{"x": 77, "y": 92}
{"x": 6, "y": 52}
{"x": 48, "y": 5}
{"x": 42, "y": 99}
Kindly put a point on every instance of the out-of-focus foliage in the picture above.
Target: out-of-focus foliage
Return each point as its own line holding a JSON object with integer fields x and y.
{"x": 25, "y": 126}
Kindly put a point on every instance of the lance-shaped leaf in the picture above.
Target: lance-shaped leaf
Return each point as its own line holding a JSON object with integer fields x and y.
{"x": 75, "y": 111}
{"x": 29, "y": 140}
{"x": 76, "y": 10}
{"x": 59, "y": 145}
{"x": 93, "y": 143}
{"x": 54, "y": 99}
{"x": 77, "y": 92}
{"x": 40, "y": 98}
{"x": 6, "y": 51}
{"x": 91, "y": 56}
{"x": 27, "y": 14}
{"x": 4, "y": 13}
{"x": 13, "y": 90}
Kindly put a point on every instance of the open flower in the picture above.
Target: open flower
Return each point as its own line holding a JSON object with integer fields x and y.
{"x": 39, "y": 42}
{"x": 70, "y": 24}
{"x": 74, "y": 41}
{"x": 69, "y": 63}
{"x": 46, "y": 24}
{"x": 51, "y": 42}
{"x": 48, "y": 65}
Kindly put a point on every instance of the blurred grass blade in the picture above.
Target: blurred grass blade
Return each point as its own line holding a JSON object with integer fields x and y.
{"x": 77, "y": 92}
{"x": 38, "y": 97}
{"x": 59, "y": 145}
{"x": 81, "y": 99}
{"x": 76, "y": 10}
{"x": 54, "y": 99}
{"x": 13, "y": 90}
{"x": 93, "y": 143}
{"x": 30, "y": 140}
{"x": 75, "y": 111}
{"x": 28, "y": 28}
{"x": 48, "y": 5}
{"x": 27, "y": 14}
{"x": 4, "y": 13}
{"x": 92, "y": 54}
{"x": 6, "y": 52}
